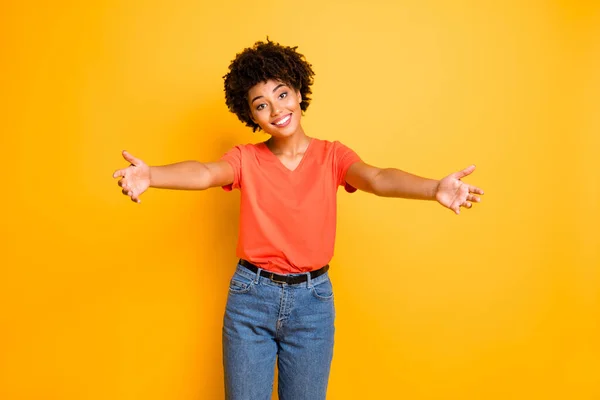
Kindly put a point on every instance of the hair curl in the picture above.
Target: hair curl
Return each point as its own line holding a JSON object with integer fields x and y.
{"x": 264, "y": 61}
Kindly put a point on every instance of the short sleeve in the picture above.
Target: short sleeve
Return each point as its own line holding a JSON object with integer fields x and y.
{"x": 344, "y": 158}
{"x": 234, "y": 158}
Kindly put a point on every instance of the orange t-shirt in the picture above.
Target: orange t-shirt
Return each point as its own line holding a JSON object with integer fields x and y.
{"x": 288, "y": 218}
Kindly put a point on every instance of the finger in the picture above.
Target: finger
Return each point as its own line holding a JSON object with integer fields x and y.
{"x": 135, "y": 197}
{"x": 467, "y": 171}
{"x": 461, "y": 196}
{"x": 126, "y": 192}
{"x": 455, "y": 206}
{"x": 125, "y": 185}
{"x": 131, "y": 159}
{"x": 464, "y": 192}
{"x": 474, "y": 189}
{"x": 119, "y": 172}
{"x": 467, "y": 204}
{"x": 473, "y": 198}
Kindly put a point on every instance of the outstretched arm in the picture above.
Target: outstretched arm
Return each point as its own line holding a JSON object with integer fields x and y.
{"x": 450, "y": 191}
{"x": 186, "y": 175}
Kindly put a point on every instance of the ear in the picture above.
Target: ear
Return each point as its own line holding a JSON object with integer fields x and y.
{"x": 299, "y": 96}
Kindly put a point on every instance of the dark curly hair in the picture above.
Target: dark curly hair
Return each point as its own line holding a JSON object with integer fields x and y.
{"x": 264, "y": 61}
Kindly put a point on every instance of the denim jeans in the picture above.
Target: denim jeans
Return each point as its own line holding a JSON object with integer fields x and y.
{"x": 267, "y": 322}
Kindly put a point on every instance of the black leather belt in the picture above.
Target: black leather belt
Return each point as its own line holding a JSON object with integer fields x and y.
{"x": 290, "y": 280}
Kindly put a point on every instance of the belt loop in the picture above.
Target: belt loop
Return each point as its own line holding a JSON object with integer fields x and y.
{"x": 257, "y": 277}
{"x": 308, "y": 281}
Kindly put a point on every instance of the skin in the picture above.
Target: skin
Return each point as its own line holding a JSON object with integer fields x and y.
{"x": 272, "y": 101}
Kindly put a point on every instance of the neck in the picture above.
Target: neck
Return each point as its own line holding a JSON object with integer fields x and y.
{"x": 290, "y": 145}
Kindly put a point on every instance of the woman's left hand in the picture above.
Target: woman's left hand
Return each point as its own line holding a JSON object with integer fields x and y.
{"x": 454, "y": 194}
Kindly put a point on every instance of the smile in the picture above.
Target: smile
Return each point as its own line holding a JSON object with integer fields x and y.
{"x": 284, "y": 121}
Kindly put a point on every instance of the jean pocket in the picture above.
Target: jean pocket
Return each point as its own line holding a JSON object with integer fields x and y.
{"x": 323, "y": 291}
{"x": 240, "y": 284}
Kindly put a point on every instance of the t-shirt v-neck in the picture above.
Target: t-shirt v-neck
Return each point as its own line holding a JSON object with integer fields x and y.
{"x": 269, "y": 154}
{"x": 288, "y": 218}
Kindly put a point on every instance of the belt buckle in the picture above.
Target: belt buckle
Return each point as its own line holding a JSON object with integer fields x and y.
{"x": 272, "y": 277}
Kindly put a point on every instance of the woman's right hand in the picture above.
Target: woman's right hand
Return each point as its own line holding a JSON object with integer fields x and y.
{"x": 135, "y": 179}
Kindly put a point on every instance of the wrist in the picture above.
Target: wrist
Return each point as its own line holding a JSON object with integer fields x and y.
{"x": 150, "y": 169}
{"x": 435, "y": 185}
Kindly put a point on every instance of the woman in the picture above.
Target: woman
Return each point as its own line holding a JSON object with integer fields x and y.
{"x": 280, "y": 307}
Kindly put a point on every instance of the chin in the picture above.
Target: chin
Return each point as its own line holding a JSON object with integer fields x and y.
{"x": 283, "y": 133}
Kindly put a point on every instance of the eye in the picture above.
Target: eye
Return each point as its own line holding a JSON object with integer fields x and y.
{"x": 283, "y": 95}
{"x": 261, "y": 106}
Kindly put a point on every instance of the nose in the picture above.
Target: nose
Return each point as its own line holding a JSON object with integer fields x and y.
{"x": 275, "y": 110}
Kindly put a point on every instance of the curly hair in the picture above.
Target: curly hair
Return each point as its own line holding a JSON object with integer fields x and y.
{"x": 264, "y": 61}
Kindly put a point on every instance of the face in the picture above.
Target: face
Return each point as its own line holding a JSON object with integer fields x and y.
{"x": 275, "y": 107}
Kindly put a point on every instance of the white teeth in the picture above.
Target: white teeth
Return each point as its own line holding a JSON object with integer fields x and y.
{"x": 283, "y": 121}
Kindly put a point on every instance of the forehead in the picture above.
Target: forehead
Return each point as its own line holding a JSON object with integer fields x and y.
{"x": 264, "y": 88}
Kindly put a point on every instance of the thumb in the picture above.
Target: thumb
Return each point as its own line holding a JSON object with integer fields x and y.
{"x": 467, "y": 171}
{"x": 130, "y": 158}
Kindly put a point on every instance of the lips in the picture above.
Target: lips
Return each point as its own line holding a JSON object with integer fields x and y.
{"x": 282, "y": 121}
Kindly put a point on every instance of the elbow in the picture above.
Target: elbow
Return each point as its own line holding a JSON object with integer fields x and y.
{"x": 375, "y": 184}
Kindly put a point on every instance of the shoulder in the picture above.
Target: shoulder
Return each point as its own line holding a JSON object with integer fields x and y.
{"x": 328, "y": 146}
{"x": 245, "y": 149}
{"x": 249, "y": 147}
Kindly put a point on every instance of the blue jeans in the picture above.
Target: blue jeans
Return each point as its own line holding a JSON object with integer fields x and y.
{"x": 267, "y": 322}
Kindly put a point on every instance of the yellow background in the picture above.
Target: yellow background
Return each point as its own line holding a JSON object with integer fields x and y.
{"x": 104, "y": 299}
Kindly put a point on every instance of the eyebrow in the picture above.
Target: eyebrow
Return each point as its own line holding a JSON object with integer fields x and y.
{"x": 274, "y": 90}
